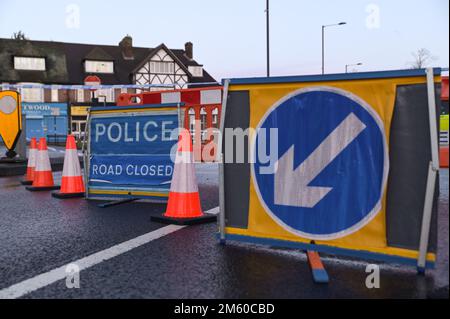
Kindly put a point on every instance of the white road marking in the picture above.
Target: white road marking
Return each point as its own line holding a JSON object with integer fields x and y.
{"x": 29, "y": 285}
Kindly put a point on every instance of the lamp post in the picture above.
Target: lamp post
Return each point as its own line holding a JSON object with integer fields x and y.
{"x": 347, "y": 65}
{"x": 323, "y": 41}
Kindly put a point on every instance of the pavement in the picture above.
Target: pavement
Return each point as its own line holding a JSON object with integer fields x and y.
{"x": 122, "y": 254}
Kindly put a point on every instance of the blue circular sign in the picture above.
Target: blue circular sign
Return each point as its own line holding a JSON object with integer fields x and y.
{"x": 331, "y": 163}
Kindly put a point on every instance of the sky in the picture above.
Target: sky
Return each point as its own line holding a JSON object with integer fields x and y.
{"x": 229, "y": 36}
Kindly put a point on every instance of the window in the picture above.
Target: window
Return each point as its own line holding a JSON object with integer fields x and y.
{"x": 105, "y": 95}
{"x": 162, "y": 67}
{"x": 55, "y": 95}
{"x": 32, "y": 64}
{"x": 196, "y": 71}
{"x": 215, "y": 118}
{"x": 32, "y": 94}
{"x": 80, "y": 95}
{"x": 91, "y": 66}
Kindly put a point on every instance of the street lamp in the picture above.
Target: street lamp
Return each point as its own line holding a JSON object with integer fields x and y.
{"x": 347, "y": 65}
{"x": 323, "y": 41}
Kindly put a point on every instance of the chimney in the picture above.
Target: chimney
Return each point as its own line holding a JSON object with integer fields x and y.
{"x": 127, "y": 47}
{"x": 188, "y": 50}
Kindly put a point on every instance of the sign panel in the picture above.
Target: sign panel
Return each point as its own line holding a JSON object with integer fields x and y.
{"x": 324, "y": 149}
{"x": 130, "y": 151}
{"x": 347, "y": 173}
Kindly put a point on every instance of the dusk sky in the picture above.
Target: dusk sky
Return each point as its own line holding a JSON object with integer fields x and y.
{"x": 229, "y": 36}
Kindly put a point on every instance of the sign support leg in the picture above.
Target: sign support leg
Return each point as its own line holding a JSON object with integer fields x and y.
{"x": 432, "y": 175}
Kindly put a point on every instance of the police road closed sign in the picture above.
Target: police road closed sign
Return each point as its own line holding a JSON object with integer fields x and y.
{"x": 332, "y": 165}
{"x": 131, "y": 152}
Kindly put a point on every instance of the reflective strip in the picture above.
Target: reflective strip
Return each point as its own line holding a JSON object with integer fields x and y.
{"x": 211, "y": 97}
{"x": 184, "y": 179}
{"x": 32, "y": 157}
{"x": 71, "y": 164}
{"x": 173, "y": 97}
{"x": 42, "y": 162}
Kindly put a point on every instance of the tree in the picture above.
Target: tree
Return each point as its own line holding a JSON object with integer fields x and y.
{"x": 19, "y": 36}
{"x": 422, "y": 58}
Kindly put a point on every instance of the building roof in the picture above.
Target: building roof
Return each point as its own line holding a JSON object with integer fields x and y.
{"x": 64, "y": 62}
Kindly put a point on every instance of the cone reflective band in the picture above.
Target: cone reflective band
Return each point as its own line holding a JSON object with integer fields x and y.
{"x": 43, "y": 177}
{"x": 184, "y": 206}
{"x": 184, "y": 199}
{"x": 72, "y": 181}
{"x": 10, "y": 118}
{"x": 32, "y": 152}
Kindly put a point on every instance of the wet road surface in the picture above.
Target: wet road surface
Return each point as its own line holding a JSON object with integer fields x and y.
{"x": 39, "y": 233}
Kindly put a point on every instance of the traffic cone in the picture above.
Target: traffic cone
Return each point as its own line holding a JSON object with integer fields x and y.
{"x": 43, "y": 178}
{"x": 72, "y": 182}
{"x": 183, "y": 207}
{"x": 31, "y": 163}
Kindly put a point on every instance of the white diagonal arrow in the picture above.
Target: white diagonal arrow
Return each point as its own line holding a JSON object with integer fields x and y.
{"x": 291, "y": 186}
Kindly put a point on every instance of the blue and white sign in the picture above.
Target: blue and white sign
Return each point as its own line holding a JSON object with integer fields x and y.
{"x": 332, "y": 164}
{"x": 132, "y": 150}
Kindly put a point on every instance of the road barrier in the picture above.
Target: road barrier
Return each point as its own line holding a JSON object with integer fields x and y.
{"x": 352, "y": 171}
{"x": 72, "y": 180}
{"x": 128, "y": 151}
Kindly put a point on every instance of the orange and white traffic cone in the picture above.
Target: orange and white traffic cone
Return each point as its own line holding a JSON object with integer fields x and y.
{"x": 183, "y": 207}
{"x": 31, "y": 163}
{"x": 72, "y": 182}
{"x": 43, "y": 178}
